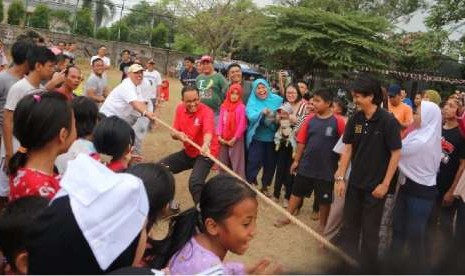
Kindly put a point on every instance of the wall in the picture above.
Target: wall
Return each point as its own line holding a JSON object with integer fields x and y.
{"x": 86, "y": 47}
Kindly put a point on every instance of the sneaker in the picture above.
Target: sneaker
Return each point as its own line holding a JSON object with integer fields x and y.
{"x": 285, "y": 203}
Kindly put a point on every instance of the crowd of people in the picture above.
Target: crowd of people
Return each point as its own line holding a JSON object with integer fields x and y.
{"x": 386, "y": 178}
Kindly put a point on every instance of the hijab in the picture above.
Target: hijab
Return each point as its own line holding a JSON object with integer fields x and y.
{"x": 93, "y": 224}
{"x": 421, "y": 149}
{"x": 255, "y": 106}
{"x": 230, "y": 107}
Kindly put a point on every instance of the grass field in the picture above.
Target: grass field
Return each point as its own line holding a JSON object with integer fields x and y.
{"x": 297, "y": 251}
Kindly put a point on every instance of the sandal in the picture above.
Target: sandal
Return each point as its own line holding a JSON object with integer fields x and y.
{"x": 281, "y": 222}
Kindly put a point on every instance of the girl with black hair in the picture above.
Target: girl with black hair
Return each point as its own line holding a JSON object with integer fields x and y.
{"x": 86, "y": 115}
{"x": 45, "y": 127}
{"x": 199, "y": 238}
{"x": 113, "y": 137}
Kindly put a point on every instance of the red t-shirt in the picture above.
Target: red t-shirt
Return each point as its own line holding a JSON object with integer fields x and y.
{"x": 117, "y": 166}
{"x": 68, "y": 96}
{"x": 195, "y": 126}
{"x": 30, "y": 182}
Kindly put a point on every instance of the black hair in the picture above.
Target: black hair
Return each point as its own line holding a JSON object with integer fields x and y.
{"x": 62, "y": 57}
{"x": 113, "y": 136}
{"x": 125, "y": 51}
{"x": 189, "y": 88}
{"x": 69, "y": 67}
{"x": 64, "y": 43}
{"x": 86, "y": 115}
{"x": 19, "y": 52}
{"x": 367, "y": 85}
{"x": 302, "y": 81}
{"x": 102, "y": 46}
{"x": 217, "y": 200}
{"x": 342, "y": 104}
{"x": 296, "y": 87}
{"x": 160, "y": 186}
{"x": 325, "y": 94}
{"x": 15, "y": 221}
{"x": 37, "y": 120}
{"x": 189, "y": 58}
{"x": 96, "y": 60}
{"x": 232, "y": 65}
{"x": 41, "y": 55}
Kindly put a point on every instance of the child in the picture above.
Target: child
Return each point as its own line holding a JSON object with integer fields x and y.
{"x": 14, "y": 224}
{"x": 315, "y": 162}
{"x": 226, "y": 221}
{"x": 86, "y": 115}
{"x": 261, "y": 113}
{"x": 113, "y": 137}
{"x": 450, "y": 171}
{"x": 94, "y": 226}
{"x": 232, "y": 124}
{"x": 160, "y": 186}
{"x": 45, "y": 127}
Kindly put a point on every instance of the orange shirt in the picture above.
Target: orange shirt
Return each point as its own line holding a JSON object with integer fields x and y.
{"x": 402, "y": 112}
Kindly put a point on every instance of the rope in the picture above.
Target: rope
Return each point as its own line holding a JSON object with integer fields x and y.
{"x": 282, "y": 211}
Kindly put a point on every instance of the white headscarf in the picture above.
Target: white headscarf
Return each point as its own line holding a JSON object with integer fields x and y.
{"x": 421, "y": 149}
{"x": 110, "y": 208}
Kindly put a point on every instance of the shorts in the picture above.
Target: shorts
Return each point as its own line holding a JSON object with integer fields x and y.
{"x": 303, "y": 187}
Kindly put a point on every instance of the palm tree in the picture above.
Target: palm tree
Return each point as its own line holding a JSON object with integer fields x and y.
{"x": 104, "y": 9}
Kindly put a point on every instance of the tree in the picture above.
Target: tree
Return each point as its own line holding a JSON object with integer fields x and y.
{"x": 1, "y": 11}
{"x": 185, "y": 43}
{"x": 103, "y": 10}
{"x": 60, "y": 21}
{"x": 305, "y": 38}
{"x": 16, "y": 12}
{"x": 445, "y": 12}
{"x": 391, "y": 9}
{"x": 216, "y": 25}
{"x": 84, "y": 23}
{"x": 40, "y": 18}
{"x": 103, "y": 33}
{"x": 159, "y": 36}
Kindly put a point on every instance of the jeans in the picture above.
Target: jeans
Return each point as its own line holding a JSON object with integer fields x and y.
{"x": 200, "y": 165}
{"x": 411, "y": 215}
{"x": 261, "y": 154}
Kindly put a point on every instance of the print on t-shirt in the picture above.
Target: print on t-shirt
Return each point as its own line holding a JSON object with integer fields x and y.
{"x": 447, "y": 150}
{"x": 206, "y": 90}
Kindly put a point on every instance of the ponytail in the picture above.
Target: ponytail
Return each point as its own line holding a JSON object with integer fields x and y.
{"x": 18, "y": 160}
{"x": 182, "y": 229}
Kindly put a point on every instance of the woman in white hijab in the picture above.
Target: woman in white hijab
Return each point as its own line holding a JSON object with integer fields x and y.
{"x": 419, "y": 163}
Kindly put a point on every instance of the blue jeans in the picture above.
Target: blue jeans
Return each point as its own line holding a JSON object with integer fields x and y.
{"x": 261, "y": 154}
{"x": 411, "y": 216}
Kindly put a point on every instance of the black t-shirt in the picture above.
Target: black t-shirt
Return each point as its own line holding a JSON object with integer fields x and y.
{"x": 188, "y": 78}
{"x": 124, "y": 67}
{"x": 453, "y": 149}
{"x": 372, "y": 142}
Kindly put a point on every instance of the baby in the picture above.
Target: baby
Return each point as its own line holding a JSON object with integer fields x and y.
{"x": 285, "y": 132}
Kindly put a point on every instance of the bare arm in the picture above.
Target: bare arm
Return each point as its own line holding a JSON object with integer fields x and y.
{"x": 344, "y": 160}
{"x": 141, "y": 107}
{"x": 91, "y": 94}
{"x": 381, "y": 190}
{"x": 8, "y": 134}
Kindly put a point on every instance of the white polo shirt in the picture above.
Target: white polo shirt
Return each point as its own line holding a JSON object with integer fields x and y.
{"x": 118, "y": 102}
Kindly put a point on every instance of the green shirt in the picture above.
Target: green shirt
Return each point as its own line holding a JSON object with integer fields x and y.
{"x": 212, "y": 90}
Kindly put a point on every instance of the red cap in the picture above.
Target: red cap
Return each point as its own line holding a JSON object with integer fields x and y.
{"x": 206, "y": 58}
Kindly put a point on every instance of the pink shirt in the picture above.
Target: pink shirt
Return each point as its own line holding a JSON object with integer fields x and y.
{"x": 195, "y": 259}
{"x": 241, "y": 121}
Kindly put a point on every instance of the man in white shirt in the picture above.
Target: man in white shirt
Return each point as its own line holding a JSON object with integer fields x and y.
{"x": 101, "y": 54}
{"x": 125, "y": 98}
{"x": 154, "y": 78}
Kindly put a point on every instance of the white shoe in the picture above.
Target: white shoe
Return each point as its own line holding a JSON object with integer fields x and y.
{"x": 285, "y": 203}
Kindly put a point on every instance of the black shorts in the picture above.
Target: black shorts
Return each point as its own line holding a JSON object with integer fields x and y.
{"x": 303, "y": 187}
